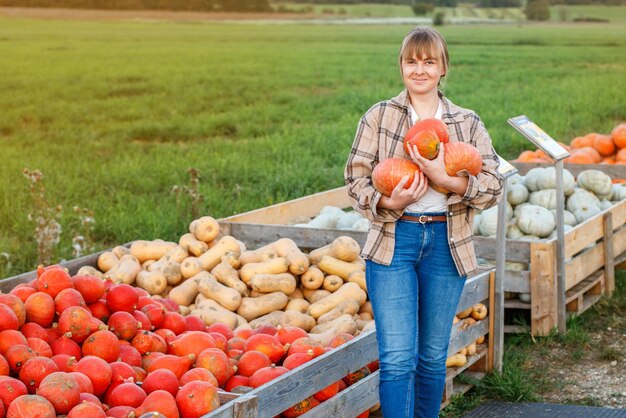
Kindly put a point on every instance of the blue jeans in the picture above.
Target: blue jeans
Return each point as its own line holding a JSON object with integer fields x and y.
{"x": 414, "y": 301}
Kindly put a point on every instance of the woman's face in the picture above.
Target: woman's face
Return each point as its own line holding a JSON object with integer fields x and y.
{"x": 421, "y": 74}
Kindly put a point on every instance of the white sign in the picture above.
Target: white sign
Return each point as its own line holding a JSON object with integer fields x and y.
{"x": 538, "y": 137}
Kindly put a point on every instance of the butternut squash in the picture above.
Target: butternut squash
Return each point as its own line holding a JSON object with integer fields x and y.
{"x": 146, "y": 264}
{"x": 456, "y": 360}
{"x": 184, "y": 310}
{"x": 300, "y": 305}
{"x": 170, "y": 269}
{"x": 465, "y": 313}
{"x": 296, "y": 294}
{"x": 347, "y": 291}
{"x": 287, "y": 248}
{"x": 252, "y": 308}
{"x": 90, "y": 271}
{"x": 332, "y": 282}
{"x": 228, "y": 276}
{"x": 190, "y": 266}
{"x": 153, "y": 282}
{"x": 257, "y": 256}
{"x": 205, "y": 229}
{"x": 342, "y": 248}
{"x": 176, "y": 253}
{"x": 365, "y": 316}
{"x": 312, "y": 279}
{"x": 120, "y": 251}
{"x": 297, "y": 319}
{"x": 125, "y": 271}
{"x": 150, "y": 250}
{"x": 193, "y": 245}
{"x": 213, "y": 256}
{"x": 344, "y": 323}
{"x": 367, "y": 308}
{"x": 471, "y": 349}
{"x": 272, "y": 266}
{"x": 212, "y": 312}
{"x": 348, "y": 306}
{"x": 479, "y": 311}
{"x": 227, "y": 297}
{"x": 107, "y": 260}
{"x": 272, "y": 318}
{"x": 186, "y": 292}
{"x": 358, "y": 277}
{"x": 480, "y": 340}
{"x": 315, "y": 295}
{"x": 343, "y": 269}
{"x": 268, "y": 283}
{"x": 232, "y": 258}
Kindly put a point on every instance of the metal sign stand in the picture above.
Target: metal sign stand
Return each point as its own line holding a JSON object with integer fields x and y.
{"x": 506, "y": 170}
{"x": 557, "y": 153}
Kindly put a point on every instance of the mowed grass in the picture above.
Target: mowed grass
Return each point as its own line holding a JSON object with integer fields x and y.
{"x": 114, "y": 113}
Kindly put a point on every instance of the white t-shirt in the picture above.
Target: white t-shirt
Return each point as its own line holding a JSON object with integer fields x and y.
{"x": 432, "y": 201}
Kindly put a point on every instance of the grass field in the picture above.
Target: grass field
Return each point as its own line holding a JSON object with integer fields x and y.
{"x": 114, "y": 113}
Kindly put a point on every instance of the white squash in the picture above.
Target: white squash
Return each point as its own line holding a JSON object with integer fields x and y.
{"x": 524, "y": 297}
{"x": 513, "y": 232}
{"x": 518, "y": 208}
{"x": 516, "y": 194}
{"x": 619, "y": 192}
{"x": 489, "y": 222}
{"x": 531, "y": 180}
{"x": 515, "y": 179}
{"x": 596, "y": 182}
{"x": 362, "y": 224}
{"x": 605, "y": 204}
{"x": 580, "y": 198}
{"x": 586, "y": 212}
{"x": 545, "y": 198}
{"x": 568, "y": 217}
{"x": 347, "y": 220}
{"x": 548, "y": 180}
{"x": 565, "y": 229}
{"x": 477, "y": 221}
{"x": 536, "y": 220}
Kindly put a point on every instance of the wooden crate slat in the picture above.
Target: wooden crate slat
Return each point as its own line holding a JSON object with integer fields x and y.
{"x": 516, "y": 281}
{"x": 584, "y": 286}
{"x": 476, "y": 289}
{"x": 517, "y": 251}
{"x": 582, "y": 235}
{"x": 460, "y": 338}
{"x": 515, "y": 329}
{"x": 619, "y": 243}
{"x": 583, "y": 265}
{"x": 543, "y": 288}
{"x": 350, "y": 402}
{"x": 516, "y": 304}
{"x": 284, "y": 213}
{"x": 619, "y": 215}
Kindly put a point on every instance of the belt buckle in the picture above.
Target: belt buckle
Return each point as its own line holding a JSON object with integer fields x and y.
{"x": 426, "y": 219}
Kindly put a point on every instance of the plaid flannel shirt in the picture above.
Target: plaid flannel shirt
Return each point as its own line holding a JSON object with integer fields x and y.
{"x": 380, "y": 135}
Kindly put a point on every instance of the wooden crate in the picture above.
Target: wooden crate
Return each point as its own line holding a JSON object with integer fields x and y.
{"x": 269, "y": 400}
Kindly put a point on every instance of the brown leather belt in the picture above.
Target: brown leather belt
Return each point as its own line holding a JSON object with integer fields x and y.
{"x": 423, "y": 219}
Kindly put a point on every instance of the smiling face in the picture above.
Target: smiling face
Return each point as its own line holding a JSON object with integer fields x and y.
{"x": 423, "y": 60}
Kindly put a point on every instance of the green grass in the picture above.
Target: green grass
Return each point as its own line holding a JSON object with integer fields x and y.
{"x": 114, "y": 113}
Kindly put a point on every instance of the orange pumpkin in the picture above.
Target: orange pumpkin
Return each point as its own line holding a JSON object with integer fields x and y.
{"x": 581, "y": 142}
{"x": 526, "y": 156}
{"x": 460, "y": 156}
{"x": 388, "y": 173}
{"x": 620, "y": 157}
{"x": 427, "y": 143}
{"x": 592, "y": 152}
{"x": 430, "y": 124}
{"x": 618, "y": 134}
{"x": 604, "y": 145}
{"x": 608, "y": 160}
{"x": 579, "y": 158}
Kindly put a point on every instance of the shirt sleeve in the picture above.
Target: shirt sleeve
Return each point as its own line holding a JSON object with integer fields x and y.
{"x": 484, "y": 190}
{"x": 358, "y": 171}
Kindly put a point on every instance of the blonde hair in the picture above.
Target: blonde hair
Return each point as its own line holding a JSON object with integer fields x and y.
{"x": 424, "y": 40}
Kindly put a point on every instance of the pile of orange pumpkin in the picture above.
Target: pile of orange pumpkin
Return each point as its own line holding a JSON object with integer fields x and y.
{"x": 593, "y": 148}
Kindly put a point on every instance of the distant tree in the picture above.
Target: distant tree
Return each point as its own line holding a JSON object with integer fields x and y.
{"x": 499, "y": 3}
{"x": 445, "y": 3}
{"x": 537, "y": 10}
{"x": 438, "y": 19}
{"x": 422, "y": 7}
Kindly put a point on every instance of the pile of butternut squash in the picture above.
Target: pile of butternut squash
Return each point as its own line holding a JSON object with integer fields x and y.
{"x": 217, "y": 278}
{"x": 466, "y": 319}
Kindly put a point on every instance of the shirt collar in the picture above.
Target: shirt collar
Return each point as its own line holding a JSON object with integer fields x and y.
{"x": 451, "y": 112}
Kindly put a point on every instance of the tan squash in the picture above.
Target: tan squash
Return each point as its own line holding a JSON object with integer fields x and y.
{"x": 479, "y": 311}
{"x": 184, "y": 310}
{"x": 456, "y": 360}
{"x": 153, "y": 282}
{"x": 471, "y": 349}
{"x": 272, "y": 266}
{"x": 193, "y": 245}
{"x": 232, "y": 258}
{"x": 300, "y": 305}
{"x": 272, "y": 318}
{"x": 125, "y": 271}
{"x": 120, "y": 251}
{"x": 465, "y": 313}
{"x": 347, "y": 291}
{"x": 364, "y": 316}
{"x": 212, "y": 312}
{"x": 296, "y": 294}
{"x": 228, "y": 276}
{"x": 146, "y": 264}
{"x": 343, "y": 269}
{"x": 90, "y": 271}
{"x": 268, "y": 283}
{"x": 358, "y": 277}
{"x": 297, "y": 319}
{"x": 186, "y": 292}
{"x": 332, "y": 282}
{"x": 205, "y": 229}
{"x": 287, "y": 248}
{"x": 367, "y": 308}
{"x": 480, "y": 340}
{"x": 348, "y": 306}
{"x": 342, "y": 248}
{"x": 176, "y": 253}
{"x": 107, "y": 260}
{"x": 213, "y": 256}
{"x": 190, "y": 266}
{"x": 312, "y": 279}
{"x": 313, "y": 296}
{"x": 226, "y": 296}
{"x": 252, "y": 308}
{"x": 325, "y": 332}
{"x": 170, "y": 269}
{"x": 150, "y": 250}
{"x": 257, "y": 256}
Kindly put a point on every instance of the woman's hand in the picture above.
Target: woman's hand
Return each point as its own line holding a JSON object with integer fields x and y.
{"x": 400, "y": 197}
{"x": 435, "y": 170}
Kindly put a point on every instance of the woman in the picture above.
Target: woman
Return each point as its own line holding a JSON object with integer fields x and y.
{"x": 419, "y": 249}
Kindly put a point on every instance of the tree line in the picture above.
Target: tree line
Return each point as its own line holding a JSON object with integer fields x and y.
{"x": 187, "y": 5}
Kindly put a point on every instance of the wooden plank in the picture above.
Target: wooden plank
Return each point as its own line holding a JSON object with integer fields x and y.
{"x": 516, "y": 304}
{"x": 495, "y": 346}
{"x": 460, "y": 388}
{"x": 246, "y": 407}
{"x": 619, "y": 244}
{"x": 460, "y": 338}
{"x": 615, "y": 171}
{"x": 350, "y": 402}
{"x": 543, "y": 288}
{"x": 619, "y": 214}
{"x": 517, "y": 281}
{"x": 517, "y": 251}
{"x": 583, "y": 265}
{"x": 515, "y": 329}
{"x": 257, "y": 235}
{"x": 584, "y": 234}
{"x": 311, "y": 377}
{"x": 609, "y": 257}
{"x": 476, "y": 290}
{"x": 584, "y": 286}
{"x": 305, "y": 207}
